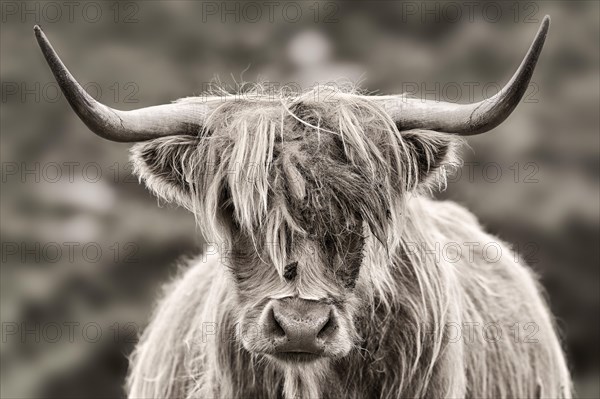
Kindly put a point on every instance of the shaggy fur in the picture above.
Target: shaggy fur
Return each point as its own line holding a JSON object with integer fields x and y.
{"x": 327, "y": 199}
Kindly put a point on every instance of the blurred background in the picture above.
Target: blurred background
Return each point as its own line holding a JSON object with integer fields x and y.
{"x": 85, "y": 248}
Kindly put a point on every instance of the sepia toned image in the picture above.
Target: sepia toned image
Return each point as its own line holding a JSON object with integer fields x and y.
{"x": 300, "y": 199}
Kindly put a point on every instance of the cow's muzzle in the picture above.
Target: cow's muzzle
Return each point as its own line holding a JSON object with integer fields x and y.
{"x": 300, "y": 329}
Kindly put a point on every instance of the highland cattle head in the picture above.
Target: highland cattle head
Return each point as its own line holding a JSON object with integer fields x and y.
{"x": 303, "y": 194}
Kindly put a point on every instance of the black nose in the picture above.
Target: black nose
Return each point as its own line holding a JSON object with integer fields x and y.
{"x": 300, "y": 325}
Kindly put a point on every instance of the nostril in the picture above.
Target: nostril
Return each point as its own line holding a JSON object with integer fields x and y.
{"x": 328, "y": 328}
{"x": 273, "y": 328}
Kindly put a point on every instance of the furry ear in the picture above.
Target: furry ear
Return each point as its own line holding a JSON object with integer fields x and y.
{"x": 433, "y": 155}
{"x": 163, "y": 164}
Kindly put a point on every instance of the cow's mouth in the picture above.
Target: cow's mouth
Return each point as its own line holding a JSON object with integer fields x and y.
{"x": 298, "y": 357}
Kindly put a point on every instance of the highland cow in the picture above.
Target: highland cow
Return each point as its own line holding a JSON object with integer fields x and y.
{"x": 316, "y": 290}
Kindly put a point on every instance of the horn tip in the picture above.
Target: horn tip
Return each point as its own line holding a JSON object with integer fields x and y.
{"x": 39, "y": 34}
{"x": 546, "y": 21}
{"x": 545, "y": 25}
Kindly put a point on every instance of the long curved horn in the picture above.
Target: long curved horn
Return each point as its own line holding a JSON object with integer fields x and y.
{"x": 467, "y": 119}
{"x": 123, "y": 126}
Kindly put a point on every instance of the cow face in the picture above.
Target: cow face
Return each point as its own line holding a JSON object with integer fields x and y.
{"x": 297, "y": 195}
{"x": 298, "y": 191}
{"x": 307, "y": 312}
